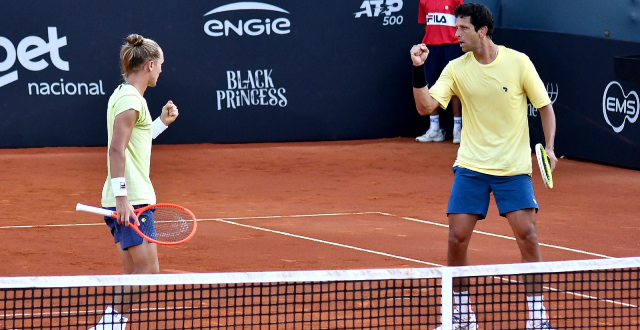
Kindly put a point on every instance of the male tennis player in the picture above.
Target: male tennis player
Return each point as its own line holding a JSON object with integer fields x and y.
{"x": 130, "y": 132}
{"x": 493, "y": 83}
{"x": 440, "y": 37}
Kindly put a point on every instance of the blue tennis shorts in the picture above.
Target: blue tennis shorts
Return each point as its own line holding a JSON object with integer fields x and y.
{"x": 125, "y": 234}
{"x": 471, "y": 190}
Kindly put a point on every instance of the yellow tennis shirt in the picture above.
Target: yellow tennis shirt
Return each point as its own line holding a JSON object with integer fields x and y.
{"x": 138, "y": 152}
{"x": 495, "y": 129}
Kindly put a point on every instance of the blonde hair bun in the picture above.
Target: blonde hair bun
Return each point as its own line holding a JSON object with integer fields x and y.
{"x": 135, "y": 39}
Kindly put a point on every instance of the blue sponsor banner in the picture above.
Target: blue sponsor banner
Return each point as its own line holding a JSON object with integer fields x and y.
{"x": 239, "y": 71}
{"x": 278, "y": 70}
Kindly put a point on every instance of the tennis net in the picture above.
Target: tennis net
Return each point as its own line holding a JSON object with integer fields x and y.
{"x": 594, "y": 294}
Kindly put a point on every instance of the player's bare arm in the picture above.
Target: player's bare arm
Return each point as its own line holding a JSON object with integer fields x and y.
{"x": 548, "y": 117}
{"x": 425, "y": 104}
{"x": 122, "y": 128}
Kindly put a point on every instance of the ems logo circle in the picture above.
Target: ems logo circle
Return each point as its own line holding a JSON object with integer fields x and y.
{"x": 618, "y": 107}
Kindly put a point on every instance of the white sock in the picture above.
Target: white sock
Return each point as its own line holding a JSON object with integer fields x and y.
{"x": 536, "y": 308}
{"x": 461, "y": 301}
{"x": 435, "y": 122}
{"x": 457, "y": 123}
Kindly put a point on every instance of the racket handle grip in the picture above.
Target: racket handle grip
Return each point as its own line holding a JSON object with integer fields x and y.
{"x": 94, "y": 210}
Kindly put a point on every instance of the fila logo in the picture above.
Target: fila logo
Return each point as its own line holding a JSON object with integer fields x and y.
{"x": 441, "y": 19}
{"x": 123, "y": 185}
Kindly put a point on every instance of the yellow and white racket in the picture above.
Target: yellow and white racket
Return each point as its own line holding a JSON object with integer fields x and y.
{"x": 545, "y": 166}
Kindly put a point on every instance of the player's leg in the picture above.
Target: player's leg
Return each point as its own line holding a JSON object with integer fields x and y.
{"x": 468, "y": 203}
{"x": 433, "y": 67}
{"x": 145, "y": 261}
{"x": 460, "y": 229}
{"x": 113, "y": 318}
{"x": 127, "y": 261}
{"x": 145, "y": 258}
{"x": 523, "y": 223}
{"x": 138, "y": 257}
{"x": 516, "y": 201}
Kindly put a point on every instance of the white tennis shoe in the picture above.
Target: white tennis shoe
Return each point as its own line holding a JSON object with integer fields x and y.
{"x": 432, "y": 135}
{"x": 462, "y": 321}
{"x": 111, "y": 320}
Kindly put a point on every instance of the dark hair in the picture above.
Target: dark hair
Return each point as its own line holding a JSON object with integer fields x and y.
{"x": 136, "y": 52}
{"x": 478, "y": 14}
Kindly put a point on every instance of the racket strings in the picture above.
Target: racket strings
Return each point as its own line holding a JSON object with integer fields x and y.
{"x": 547, "y": 169}
{"x": 172, "y": 224}
{"x": 545, "y": 166}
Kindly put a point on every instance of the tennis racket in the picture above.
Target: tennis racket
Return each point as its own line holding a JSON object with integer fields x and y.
{"x": 170, "y": 224}
{"x": 545, "y": 167}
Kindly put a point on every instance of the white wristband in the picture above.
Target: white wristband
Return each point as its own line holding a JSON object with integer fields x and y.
{"x": 119, "y": 187}
{"x": 157, "y": 127}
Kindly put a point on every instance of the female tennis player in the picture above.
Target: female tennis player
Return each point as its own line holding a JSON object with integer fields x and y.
{"x": 128, "y": 186}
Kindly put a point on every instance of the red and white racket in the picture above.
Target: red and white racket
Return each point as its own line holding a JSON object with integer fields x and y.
{"x": 170, "y": 224}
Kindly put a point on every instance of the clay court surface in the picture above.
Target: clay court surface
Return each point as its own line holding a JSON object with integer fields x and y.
{"x": 299, "y": 206}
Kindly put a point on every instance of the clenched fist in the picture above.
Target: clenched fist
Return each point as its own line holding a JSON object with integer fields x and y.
{"x": 169, "y": 113}
{"x": 419, "y": 54}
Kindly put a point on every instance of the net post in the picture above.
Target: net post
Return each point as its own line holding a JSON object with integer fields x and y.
{"x": 447, "y": 299}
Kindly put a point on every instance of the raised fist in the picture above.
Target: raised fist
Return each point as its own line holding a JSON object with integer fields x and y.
{"x": 419, "y": 54}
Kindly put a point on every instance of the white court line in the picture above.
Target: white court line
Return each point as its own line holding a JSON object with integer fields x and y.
{"x": 47, "y": 226}
{"x": 292, "y": 216}
{"x": 334, "y": 214}
{"x": 325, "y": 242}
{"x": 238, "y": 218}
{"x": 228, "y": 220}
{"x": 411, "y": 219}
{"x": 503, "y": 236}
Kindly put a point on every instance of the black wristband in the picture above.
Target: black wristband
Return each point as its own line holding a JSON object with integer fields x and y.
{"x": 419, "y": 76}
